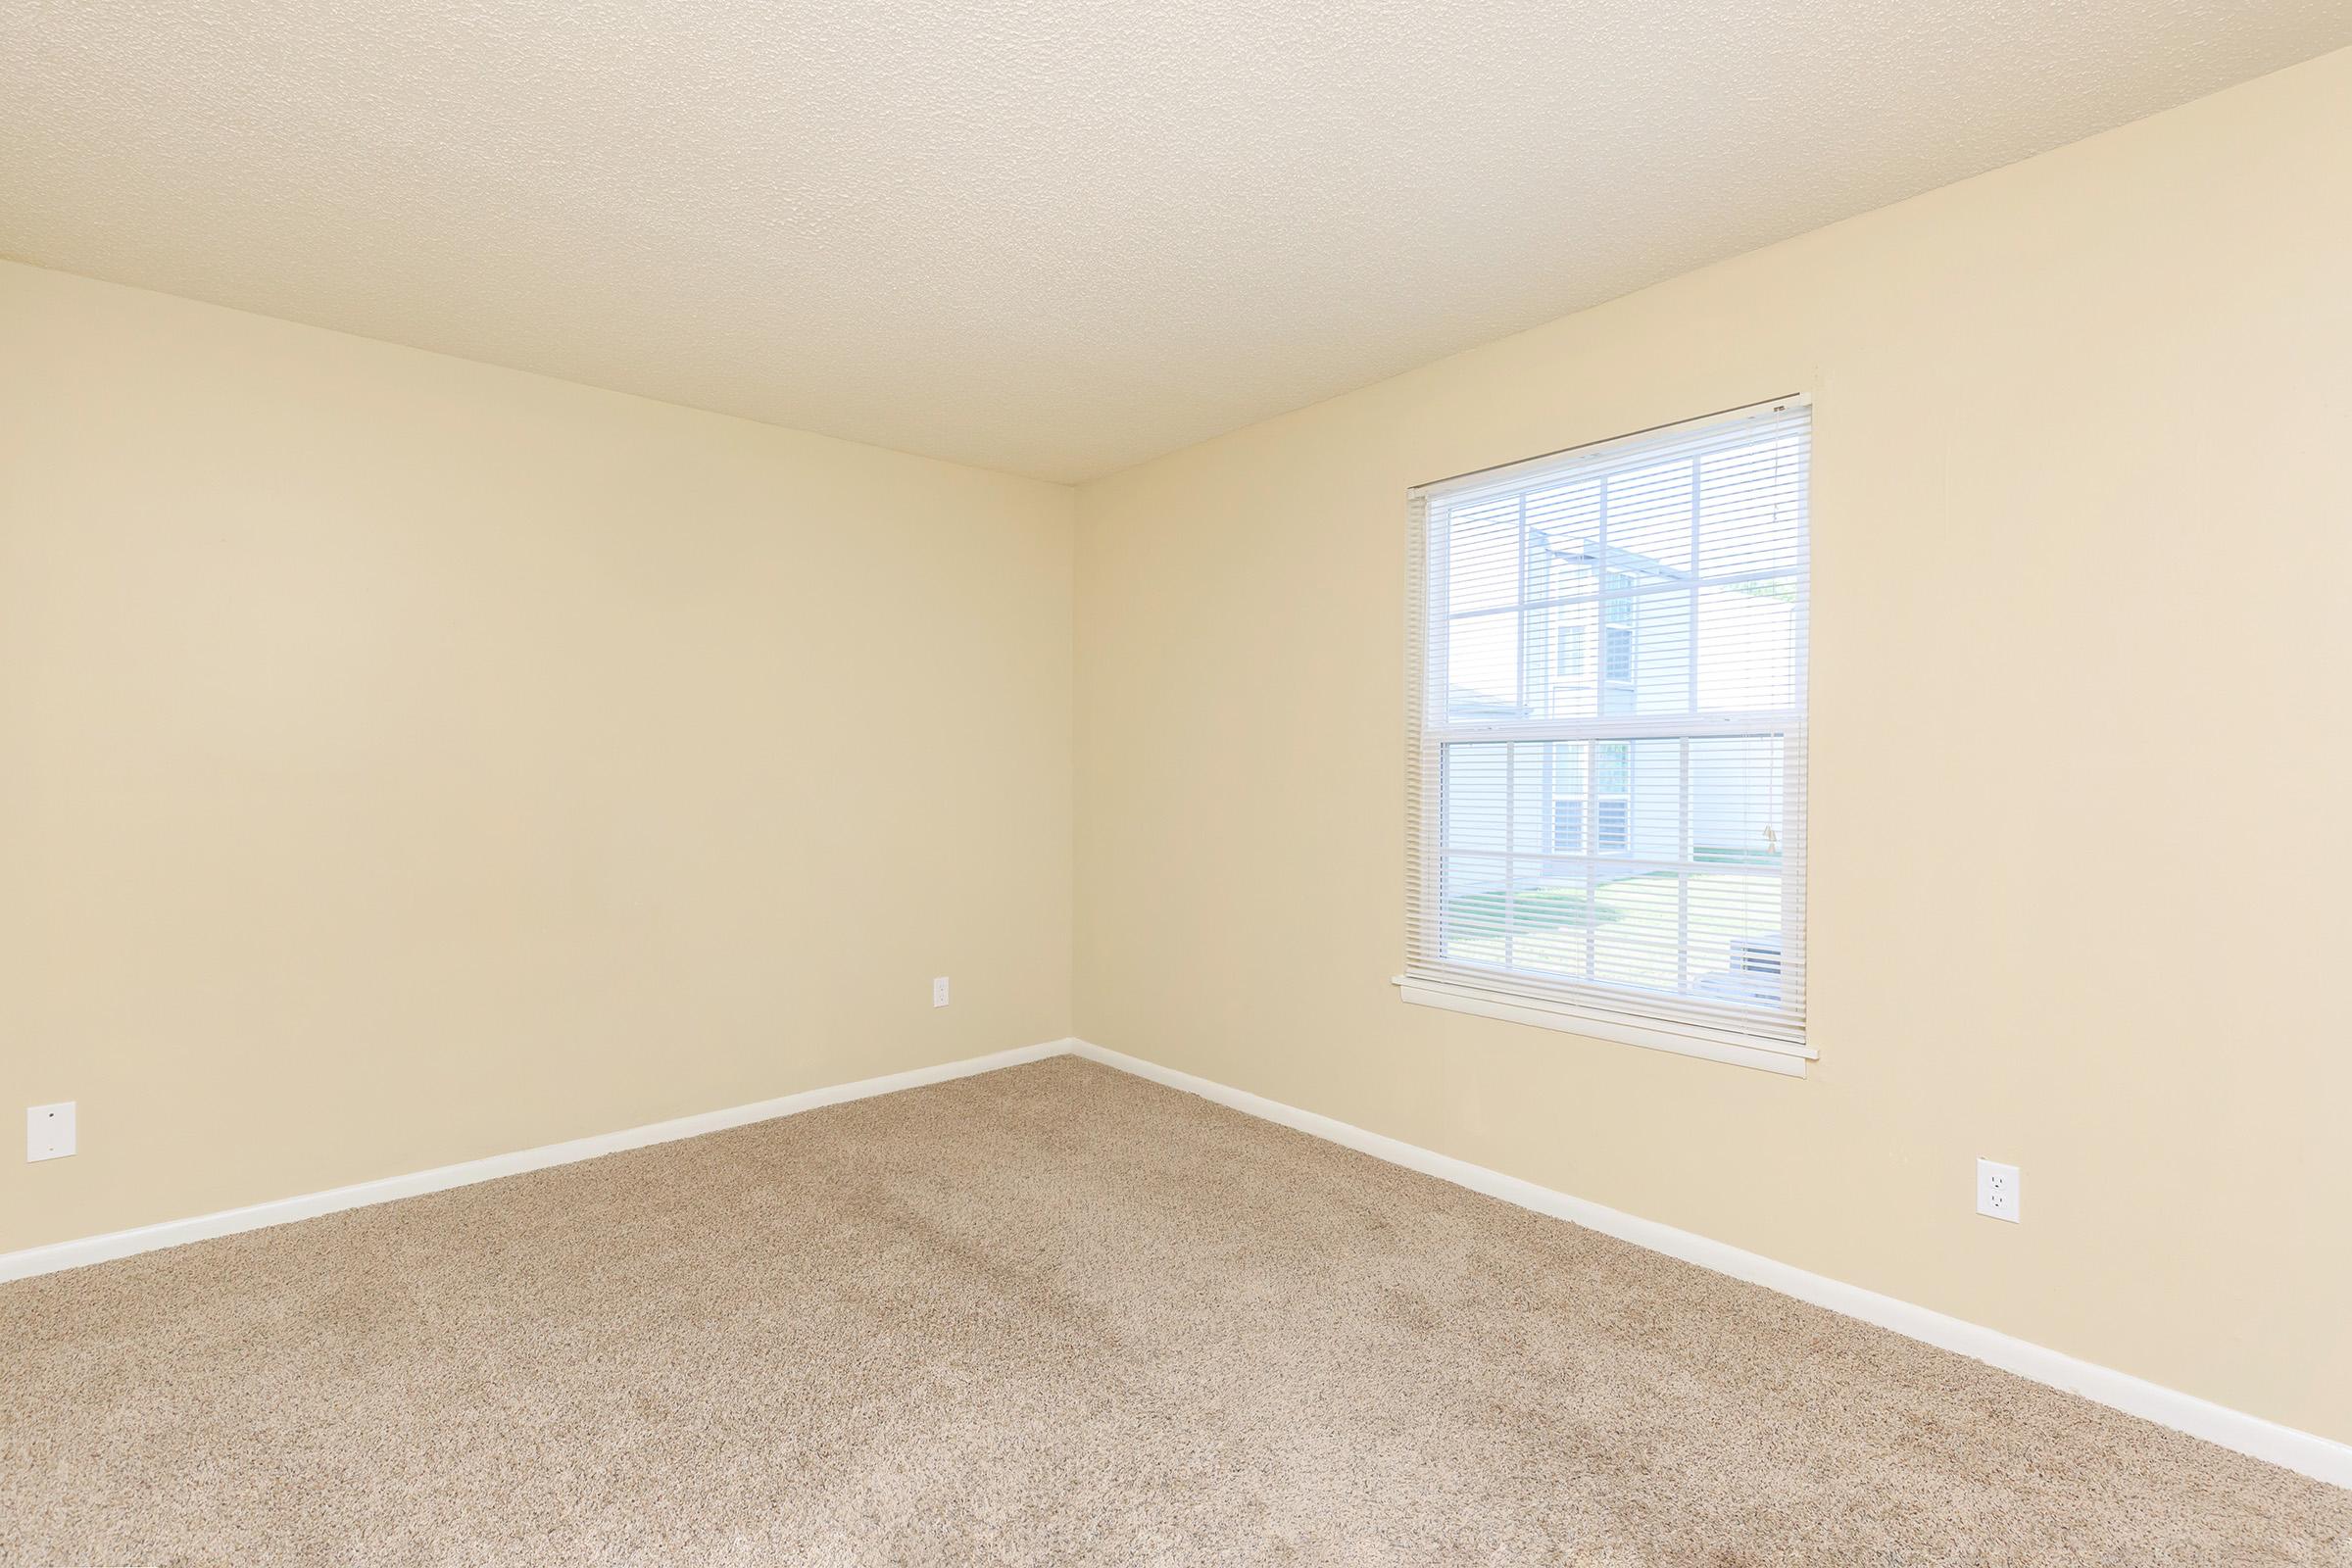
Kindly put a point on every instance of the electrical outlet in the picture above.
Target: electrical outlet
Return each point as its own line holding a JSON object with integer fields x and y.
{"x": 48, "y": 1131}
{"x": 938, "y": 992}
{"x": 1997, "y": 1190}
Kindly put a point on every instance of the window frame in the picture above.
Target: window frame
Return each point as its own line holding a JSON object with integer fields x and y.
{"x": 1784, "y": 1047}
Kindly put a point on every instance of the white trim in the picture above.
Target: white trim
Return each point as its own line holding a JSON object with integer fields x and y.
{"x": 1695, "y": 1017}
{"x": 1621, "y": 727}
{"x": 284, "y": 1210}
{"x": 1685, "y": 1039}
{"x": 2322, "y": 1458}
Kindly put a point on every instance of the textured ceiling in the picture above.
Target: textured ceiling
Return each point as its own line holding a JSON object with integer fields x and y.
{"x": 1055, "y": 236}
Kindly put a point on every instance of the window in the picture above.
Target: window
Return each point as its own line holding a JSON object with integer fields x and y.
{"x": 1612, "y": 826}
{"x": 1607, "y": 803}
{"x": 1568, "y": 825}
{"x": 1569, "y": 658}
{"x": 1617, "y": 629}
{"x": 1615, "y": 845}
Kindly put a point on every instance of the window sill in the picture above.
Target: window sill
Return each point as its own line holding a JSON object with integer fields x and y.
{"x": 1709, "y": 1044}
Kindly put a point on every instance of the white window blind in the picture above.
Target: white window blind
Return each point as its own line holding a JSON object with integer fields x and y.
{"x": 1607, "y": 735}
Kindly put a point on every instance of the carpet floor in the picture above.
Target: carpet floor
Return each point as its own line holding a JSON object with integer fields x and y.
{"x": 1050, "y": 1314}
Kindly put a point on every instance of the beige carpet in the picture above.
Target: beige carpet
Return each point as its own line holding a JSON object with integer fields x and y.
{"x": 1054, "y": 1314}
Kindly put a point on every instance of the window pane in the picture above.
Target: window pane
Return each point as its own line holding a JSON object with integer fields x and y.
{"x": 1572, "y": 635}
{"x": 1551, "y": 916}
{"x": 1752, "y": 508}
{"x": 1482, "y": 556}
{"x": 1649, "y": 518}
{"x": 1566, "y": 517}
{"x": 1735, "y": 936}
{"x": 1637, "y": 932}
{"x": 1649, "y": 650}
{"x": 1496, "y": 796}
{"x": 1482, "y": 670}
{"x": 1747, "y": 647}
{"x": 1474, "y": 780}
{"x": 1737, "y": 801}
{"x": 1473, "y": 890}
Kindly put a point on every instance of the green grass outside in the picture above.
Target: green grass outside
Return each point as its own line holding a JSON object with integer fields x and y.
{"x": 1532, "y": 909}
{"x": 1548, "y": 924}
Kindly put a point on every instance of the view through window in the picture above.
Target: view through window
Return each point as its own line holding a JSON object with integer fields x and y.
{"x": 1608, "y": 748}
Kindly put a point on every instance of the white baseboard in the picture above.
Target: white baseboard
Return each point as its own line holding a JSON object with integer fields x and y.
{"x": 2322, "y": 1458}
{"x": 284, "y": 1210}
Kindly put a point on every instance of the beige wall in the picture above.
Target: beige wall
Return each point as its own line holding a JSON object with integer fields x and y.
{"x": 409, "y": 761}
{"x": 2082, "y": 800}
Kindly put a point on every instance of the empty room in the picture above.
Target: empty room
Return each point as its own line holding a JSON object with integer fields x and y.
{"x": 907, "y": 782}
